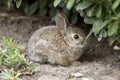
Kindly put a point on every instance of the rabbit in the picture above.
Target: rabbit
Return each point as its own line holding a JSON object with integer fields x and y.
{"x": 61, "y": 44}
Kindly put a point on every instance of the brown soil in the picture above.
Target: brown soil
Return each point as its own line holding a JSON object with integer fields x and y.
{"x": 99, "y": 61}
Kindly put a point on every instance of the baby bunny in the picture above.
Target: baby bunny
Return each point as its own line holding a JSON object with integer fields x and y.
{"x": 61, "y": 44}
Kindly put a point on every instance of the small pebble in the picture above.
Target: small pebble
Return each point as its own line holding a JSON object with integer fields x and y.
{"x": 85, "y": 79}
{"x": 76, "y": 75}
{"x": 116, "y": 48}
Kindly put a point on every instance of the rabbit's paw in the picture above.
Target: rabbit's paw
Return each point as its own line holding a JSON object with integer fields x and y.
{"x": 76, "y": 63}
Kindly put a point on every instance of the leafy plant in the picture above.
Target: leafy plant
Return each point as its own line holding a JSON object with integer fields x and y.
{"x": 17, "y": 3}
{"x": 15, "y": 63}
{"x": 10, "y": 55}
{"x": 103, "y": 15}
{"x": 9, "y": 74}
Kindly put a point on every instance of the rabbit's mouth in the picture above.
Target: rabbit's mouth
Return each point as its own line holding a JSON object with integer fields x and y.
{"x": 77, "y": 45}
{"x": 83, "y": 43}
{"x": 80, "y": 44}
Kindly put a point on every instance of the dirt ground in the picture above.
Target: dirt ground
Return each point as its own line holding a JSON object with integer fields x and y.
{"x": 99, "y": 61}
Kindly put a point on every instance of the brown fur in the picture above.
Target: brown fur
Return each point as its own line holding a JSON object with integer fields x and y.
{"x": 55, "y": 44}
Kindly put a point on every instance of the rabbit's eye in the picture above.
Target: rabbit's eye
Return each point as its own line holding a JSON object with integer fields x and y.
{"x": 76, "y": 36}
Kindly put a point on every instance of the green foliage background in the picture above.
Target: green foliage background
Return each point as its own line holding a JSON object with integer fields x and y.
{"x": 103, "y": 15}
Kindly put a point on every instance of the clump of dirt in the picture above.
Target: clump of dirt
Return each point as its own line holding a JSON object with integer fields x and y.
{"x": 99, "y": 61}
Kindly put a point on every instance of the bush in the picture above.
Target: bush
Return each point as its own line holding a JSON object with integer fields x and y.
{"x": 103, "y": 15}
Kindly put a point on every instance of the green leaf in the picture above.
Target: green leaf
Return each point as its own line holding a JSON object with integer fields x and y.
{"x": 56, "y": 2}
{"x": 115, "y": 4}
{"x": 87, "y": 39}
{"x": 89, "y": 20}
{"x": 99, "y": 11}
{"x": 111, "y": 40}
{"x": 90, "y": 12}
{"x": 81, "y": 13}
{"x": 31, "y": 9}
{"x": 77, "y": 1}
{"x": 18, "y": 3}
{"x": 99, "y": 24}
{"x": 43, "y": 11}
{"x": 83, "y": 5}
{"x": 96, "y": 26}
{"x": 70, "y": 4}
{"x": 113, "y": 29}
{"x": 118, "y": 15}
{"x": 9, "y": 2}
{"x": 102, "y": 34}
{"x": 43, "y": 3}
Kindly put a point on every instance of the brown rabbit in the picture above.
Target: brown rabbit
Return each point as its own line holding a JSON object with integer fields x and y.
{"x": 59, "y": 44}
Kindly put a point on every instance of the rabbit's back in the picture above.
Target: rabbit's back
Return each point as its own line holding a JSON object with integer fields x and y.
{"x": 49, "y": 35}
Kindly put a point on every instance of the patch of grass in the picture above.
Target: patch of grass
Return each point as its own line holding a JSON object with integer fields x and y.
{"x": 13, "y": 61}
{"x": 9, "y": 74}
{"x": 10, "y": 56}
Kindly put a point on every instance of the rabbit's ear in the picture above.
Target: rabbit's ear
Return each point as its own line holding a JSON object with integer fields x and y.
{"x": 61, "y": 21}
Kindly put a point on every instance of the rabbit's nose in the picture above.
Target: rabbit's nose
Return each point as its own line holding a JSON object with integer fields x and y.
{"x": 84, "y": 43}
